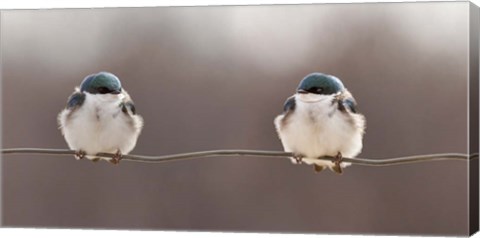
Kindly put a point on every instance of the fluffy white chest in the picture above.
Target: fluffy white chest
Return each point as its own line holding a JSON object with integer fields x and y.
{"x": 99, "y": 125}
{"x": 317, "y": 129}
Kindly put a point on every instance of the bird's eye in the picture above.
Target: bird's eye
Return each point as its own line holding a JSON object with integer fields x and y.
{"x": 103, "y": 90}
{"x": 318, "y": 90}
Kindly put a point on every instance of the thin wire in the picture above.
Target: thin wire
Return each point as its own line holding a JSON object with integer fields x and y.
{"x": 250, "y": 153}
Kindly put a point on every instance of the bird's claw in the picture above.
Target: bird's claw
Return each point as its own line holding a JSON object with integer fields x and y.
{"x": 337, "y": 168}
{"x": 80, "y": 154}
{"x": 116, "y": 157}
{"x": 298, "y": 158}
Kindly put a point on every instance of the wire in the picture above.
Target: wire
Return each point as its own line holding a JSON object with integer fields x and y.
{"x": 249, "y": 153}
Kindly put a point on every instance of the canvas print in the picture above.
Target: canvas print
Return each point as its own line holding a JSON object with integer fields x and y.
{"x": 312, "y": 118}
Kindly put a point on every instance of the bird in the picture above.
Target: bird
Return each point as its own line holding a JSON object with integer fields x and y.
{"x": 321, "y": 120}
{"x": 99, "y": 117}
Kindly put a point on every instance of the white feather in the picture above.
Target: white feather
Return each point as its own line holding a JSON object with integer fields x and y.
{"x": 99, "y": 125}
{"x": 317, "y": 128}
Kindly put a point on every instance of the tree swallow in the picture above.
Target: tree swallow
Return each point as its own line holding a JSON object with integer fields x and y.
{"x": 321, "y": 120}
{"x": 100, "y": 117}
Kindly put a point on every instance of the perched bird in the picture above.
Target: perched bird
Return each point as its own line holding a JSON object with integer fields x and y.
{"x": 100, "y": 117}
{"x": 321, "y": 119}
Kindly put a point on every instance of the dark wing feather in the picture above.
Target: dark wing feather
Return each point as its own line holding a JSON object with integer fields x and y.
{"x": 289, "y": 104}
{"x": 350, "y": 104}
{"x": 75, "y": 100}
{"x": 347, "y": 103}
{"x": 128, "y": 106}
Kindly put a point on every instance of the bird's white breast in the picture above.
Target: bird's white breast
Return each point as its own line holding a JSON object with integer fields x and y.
{"x": 317, "y": 128}
{"x": 99, "y": 125}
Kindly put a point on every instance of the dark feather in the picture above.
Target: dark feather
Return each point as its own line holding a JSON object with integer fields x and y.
{"x": 128, "y": 106}
{"x": 347, "y": 104}
{"x": 75, "y": 100}
{"x": 289, "y": 104}
{"x": 350, "y": 104}
{"x": 288, "y": 109}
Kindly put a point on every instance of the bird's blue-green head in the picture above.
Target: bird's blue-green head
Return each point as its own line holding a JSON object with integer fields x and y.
{"x": 321, "y": 84}
{"x": 101, "y": 83}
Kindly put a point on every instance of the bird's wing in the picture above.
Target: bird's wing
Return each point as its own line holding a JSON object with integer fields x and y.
{"x": 289, "y": 104}
{"x": 350, "y": 104}
{"x": 75, "y": 100}
{"x": 128, "y": 106}
{"x": 288, "y": 108}
{"x": 346, "y": 102}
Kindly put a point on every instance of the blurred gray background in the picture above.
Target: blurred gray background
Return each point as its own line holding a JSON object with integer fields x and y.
{"x": 209, "y": 78}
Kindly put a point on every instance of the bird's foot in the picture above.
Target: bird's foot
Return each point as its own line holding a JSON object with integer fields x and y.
{"x": 336, "y": 164}
{"x": 298, "y": 159}
{"x": 318, "y": 168}
{"x": 116, "y": 158}
{"x": 96, "y": 159}
{"x": 80, "y": 154}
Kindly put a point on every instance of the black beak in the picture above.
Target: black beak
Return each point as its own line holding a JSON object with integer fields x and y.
{"x": 301, "y": 91}
{"x": 116, "y": 91}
